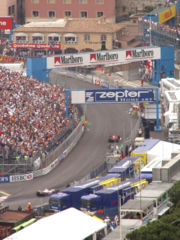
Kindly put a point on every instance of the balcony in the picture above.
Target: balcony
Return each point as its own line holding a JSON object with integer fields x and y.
{"x": 38, "y": 41}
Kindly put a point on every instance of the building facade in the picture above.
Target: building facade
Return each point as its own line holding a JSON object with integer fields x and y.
{"x": 8, "y": 8}
{"x": 54, "y": 9}
{"x": 67, "y": 36}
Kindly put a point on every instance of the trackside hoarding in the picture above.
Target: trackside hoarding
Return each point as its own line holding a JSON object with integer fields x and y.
{"x": 104, "y": 57}
{"x": 167, "y": 14}
{"x": 5, "y": 23}
{"x": 35, "y": 46}
{"x": 121, "y": 95}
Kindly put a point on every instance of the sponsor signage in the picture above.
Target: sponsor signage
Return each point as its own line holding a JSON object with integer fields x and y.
{"x": 4, "y": 179}
{"x": 121, "y": 95}
{"x": 138, "y": 54}
{"x": 54, "y": 163}
{"x": 103, "y": 57}
{"x": 167, "y": 14}
{"x": 35, "y": 46}
{"x": 20, "y": 178}
{"x": 68, "y": 60}
{"x": 5, "y": 23}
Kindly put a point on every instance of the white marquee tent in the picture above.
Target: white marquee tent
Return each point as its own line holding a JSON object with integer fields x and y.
{"x": 66, "y": 225}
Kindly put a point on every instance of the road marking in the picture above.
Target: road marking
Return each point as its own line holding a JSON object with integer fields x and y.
{"x": 4, "y": 193}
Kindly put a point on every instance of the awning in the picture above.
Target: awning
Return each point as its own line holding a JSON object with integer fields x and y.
{"x": 70, "y": 35}
{"x": 54, "y": 35}
{"x": 163, "y": 211}
{"x": 38, "y": 35}
{"x": 21, "y": 34}
{"x": 68, "y": 224}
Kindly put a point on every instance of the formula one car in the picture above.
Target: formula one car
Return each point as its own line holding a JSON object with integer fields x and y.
{"x": 46, "y": 192}
{"x": 114, "y": 139}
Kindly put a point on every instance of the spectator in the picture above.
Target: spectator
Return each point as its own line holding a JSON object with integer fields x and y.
{"x": 32, "y": 114}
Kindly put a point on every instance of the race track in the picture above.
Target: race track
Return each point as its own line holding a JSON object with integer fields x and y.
{"x": 105, "y": 119}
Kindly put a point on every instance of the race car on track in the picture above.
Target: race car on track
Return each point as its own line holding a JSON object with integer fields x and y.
{"x": 114, "y": 139}
{"x": 46, "y": 192}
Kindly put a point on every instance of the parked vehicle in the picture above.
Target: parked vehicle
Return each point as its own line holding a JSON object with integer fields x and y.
{"x": 70, "y": 197}
{"x": 107, "y": 201}
{"x": 128, "y": 167}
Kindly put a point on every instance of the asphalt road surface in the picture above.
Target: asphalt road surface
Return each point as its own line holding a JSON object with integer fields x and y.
{"x": 105, "y": 120}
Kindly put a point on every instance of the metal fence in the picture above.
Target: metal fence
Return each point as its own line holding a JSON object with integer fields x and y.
{"x": 21, "y": 164}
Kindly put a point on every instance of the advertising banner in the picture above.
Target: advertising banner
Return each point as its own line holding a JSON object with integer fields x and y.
{"x": 5, "y": 22}
{"x": 103, "y": 57}
{"x": 20, "y": 178}
{"x": 121, "y": 95}
{"x": 4, "y": 179}
{"x": 167, "y": 14}
{"x": 35, "y": 46}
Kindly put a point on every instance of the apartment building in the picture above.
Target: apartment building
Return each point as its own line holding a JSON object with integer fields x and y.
{"x": 37, "y": 10}
{"x": 70, "y": 36}
{"x": 7, "y": 8}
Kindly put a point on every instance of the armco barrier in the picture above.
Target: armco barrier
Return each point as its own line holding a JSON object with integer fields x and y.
{"x": 56, "y": 157}
{"x": 62, "y": 151}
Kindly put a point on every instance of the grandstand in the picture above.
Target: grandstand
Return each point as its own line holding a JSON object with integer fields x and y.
{"x": 32, "y": 121}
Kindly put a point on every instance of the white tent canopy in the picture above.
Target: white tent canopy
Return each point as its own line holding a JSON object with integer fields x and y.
{"x": 65, "y": 225}
{"x": 162, "y": 150}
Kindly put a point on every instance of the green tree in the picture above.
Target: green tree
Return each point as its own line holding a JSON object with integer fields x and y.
{"x": 174, "y": 193}
{"x": 148, "y": 9}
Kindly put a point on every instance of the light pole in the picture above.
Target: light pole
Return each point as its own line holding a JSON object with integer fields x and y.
{"x": 150, "y": 40}
{"x": 120, "y": 226}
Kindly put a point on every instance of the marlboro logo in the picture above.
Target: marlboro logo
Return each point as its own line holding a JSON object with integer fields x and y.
{"x": 67, "y": 60}
{"x": 133, "y": 54}
{"x": 57, "y": 60}
{"x": 103, "y": 57}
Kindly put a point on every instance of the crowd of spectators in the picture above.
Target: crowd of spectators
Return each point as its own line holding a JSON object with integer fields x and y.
{"x": 166, "y": 30}
{"x": 32, "y": 114}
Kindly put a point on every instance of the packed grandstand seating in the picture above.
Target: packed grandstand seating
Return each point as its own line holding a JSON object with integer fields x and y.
{"x": 32, "y": 116}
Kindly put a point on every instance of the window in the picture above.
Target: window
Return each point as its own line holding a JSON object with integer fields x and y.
{"x": 51, "y": 14}
{"x": 35, "y": 13}
{"x": 70, "y": 38}
{"x": 67, "y": 1}
{"x": 9, "y": 11}
{"x": 37, "y": 38}
{"x": 124, "y": 8}
{"x": 100, "y": 14}
{"x": 51, "y": 1}
{"x": 100, "y": 1}
{"x": 67, "y": 14}
{"x": 35, "y": 1}
{"x": 21, "y": 39}
{"x": 84, "y": 14}
{"x": 83, "y": 1}
{"x": 54, "y": 38}
{"x": 13, "y": 9}
{"x": 103, "y": 37}
{"x": 86, "y": 37}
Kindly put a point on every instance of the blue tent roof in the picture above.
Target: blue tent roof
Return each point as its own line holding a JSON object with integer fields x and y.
{"x": 148, "y": 144}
